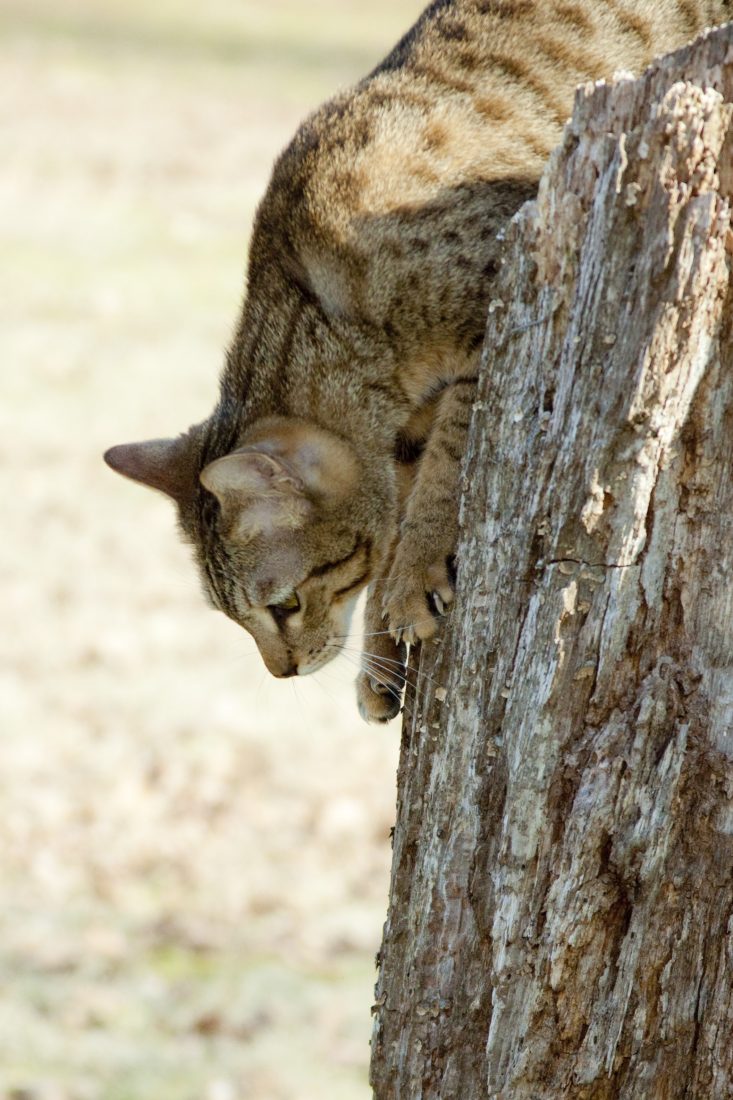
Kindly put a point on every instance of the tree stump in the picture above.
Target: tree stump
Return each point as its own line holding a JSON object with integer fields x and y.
{"x": 561, "y": 906}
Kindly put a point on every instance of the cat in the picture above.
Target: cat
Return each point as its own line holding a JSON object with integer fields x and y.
{"x": 332, "y": 459}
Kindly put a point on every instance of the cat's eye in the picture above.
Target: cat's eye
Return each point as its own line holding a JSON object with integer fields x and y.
{"x": 289, "y": 605}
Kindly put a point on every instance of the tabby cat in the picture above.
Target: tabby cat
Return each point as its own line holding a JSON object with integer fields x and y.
{"x": 332, "y": 458}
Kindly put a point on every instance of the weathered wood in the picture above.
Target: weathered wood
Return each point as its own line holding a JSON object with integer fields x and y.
{"x": 561, "y": 910}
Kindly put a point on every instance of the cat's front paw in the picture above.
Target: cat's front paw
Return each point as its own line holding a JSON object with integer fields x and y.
{"x": 417, "y": 595}
{"x": 377, "y": 700}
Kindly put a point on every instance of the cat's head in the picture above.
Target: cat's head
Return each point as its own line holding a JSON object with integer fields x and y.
{"x": 284, "y": 532}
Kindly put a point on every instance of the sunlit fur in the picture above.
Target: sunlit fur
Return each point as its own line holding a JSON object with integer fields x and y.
{"x": 370, "y": 274}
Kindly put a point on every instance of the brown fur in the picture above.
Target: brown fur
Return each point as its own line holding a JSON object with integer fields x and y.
{"x": 332, "y": 458}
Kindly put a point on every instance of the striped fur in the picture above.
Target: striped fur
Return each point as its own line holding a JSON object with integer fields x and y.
{"x": 369, "y": 277}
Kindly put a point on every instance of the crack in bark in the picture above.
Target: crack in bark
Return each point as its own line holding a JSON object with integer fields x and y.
{"x": 587, "y": 814}
{"x": 588, "y": 564}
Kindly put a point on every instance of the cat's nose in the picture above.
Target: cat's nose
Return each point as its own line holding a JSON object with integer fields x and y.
{"x": 291, "y": 670}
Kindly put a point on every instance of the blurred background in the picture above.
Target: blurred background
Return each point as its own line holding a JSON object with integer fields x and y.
{"x": 193, "y": 857}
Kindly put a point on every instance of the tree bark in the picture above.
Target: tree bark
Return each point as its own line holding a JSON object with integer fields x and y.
{"x": 561, "y": 906}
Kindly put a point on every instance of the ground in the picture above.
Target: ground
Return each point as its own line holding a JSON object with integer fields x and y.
{"x": 193, "y": 857}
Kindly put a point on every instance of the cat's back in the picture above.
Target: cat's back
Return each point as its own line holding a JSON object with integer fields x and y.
{"x": 478, "y": 89}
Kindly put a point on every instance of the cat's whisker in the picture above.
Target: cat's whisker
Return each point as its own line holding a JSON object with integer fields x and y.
{"x": 396, "y": 668}
{"x": 261, "y": 682}
{"x": 358, "y": 648}
{"x": 302, "y": 711}
{"x": 383, "y": 659}
{"x": 370, "y": 664}
{"x": 389, "y": 677}
{"x": 331, "y": 672}
{"x": 383, "y": 633}
{"x": 358, "y": 652}
{"x": 392, "y": 677}
{"x": 322, "y": 686}
{"x": 364, "y": 634}
{"x": 386, "y": 682}
{"x": 237, "y": 659}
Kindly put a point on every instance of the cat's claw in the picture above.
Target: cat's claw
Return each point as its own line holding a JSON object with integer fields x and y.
{"x": 405, "y": 635}
{"x": 419, "y": 605}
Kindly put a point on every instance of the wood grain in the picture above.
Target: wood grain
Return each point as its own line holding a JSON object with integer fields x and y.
{"x": 561, "y": 910}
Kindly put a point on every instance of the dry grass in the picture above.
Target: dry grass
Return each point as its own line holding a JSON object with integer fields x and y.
{"x": 193, "y": 857}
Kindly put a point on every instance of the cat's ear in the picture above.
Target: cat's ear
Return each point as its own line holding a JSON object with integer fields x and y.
{"x": 258, "y": 494}
{"x": 290, "y": 470}
{"x": 163, "y": 464}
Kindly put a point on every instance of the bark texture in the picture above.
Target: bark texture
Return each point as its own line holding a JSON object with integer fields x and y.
{"x": 561, "y": 910}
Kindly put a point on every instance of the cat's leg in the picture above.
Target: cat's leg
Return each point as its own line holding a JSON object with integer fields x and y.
{"x": 382, "y": 677}
{"x": 421, "y": 580}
